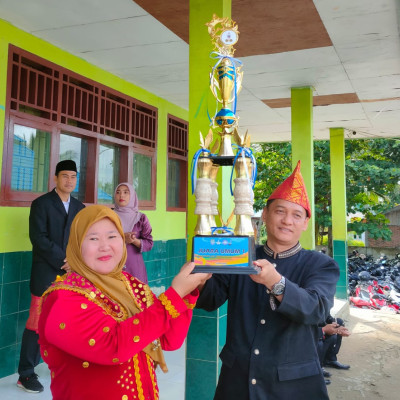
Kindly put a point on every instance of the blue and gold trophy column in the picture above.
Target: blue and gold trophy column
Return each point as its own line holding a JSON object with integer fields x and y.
{"x": 219, "y": 249}
{"x": 217, "y": 157}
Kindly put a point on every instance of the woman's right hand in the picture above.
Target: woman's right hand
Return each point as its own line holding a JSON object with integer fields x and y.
{"x": 129, "y": 237}
{"x": 185, "y": 282}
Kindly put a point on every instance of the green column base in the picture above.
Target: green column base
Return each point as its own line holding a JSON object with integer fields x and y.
{"x": 207, "y": 335}
{"x": 340, "y": 256}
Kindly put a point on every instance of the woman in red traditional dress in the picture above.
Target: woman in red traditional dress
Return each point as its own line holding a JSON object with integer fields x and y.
{"x": 102, "y": 331}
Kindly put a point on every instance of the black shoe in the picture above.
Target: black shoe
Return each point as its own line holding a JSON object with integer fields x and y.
{"x": 327, "y": 382}
{"x": 30, "y": 384}
{"x": 336, "y": 364}
{"x": 326, "y": 373}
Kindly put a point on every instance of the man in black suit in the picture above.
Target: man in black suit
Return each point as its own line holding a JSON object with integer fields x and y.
{"x": 50, "y": 220}
{"x": 272, "y": 318}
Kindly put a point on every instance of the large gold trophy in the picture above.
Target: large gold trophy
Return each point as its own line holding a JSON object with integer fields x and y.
{"x": 221, "y": 249}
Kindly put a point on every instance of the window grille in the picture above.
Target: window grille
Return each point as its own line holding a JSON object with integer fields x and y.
{"x": 54, "y": 93}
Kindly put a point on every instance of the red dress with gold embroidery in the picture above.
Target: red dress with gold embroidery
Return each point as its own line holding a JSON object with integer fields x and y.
{"x": 94, "y": 351}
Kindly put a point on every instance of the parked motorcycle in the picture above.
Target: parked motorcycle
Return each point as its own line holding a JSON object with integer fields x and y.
{"x": 374, "y": 284}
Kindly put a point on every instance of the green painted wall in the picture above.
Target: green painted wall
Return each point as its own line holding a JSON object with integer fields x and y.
{"x": 14, "y": 220}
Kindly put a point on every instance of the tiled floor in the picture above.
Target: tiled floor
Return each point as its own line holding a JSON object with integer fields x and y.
{"x": 171, "y": 384}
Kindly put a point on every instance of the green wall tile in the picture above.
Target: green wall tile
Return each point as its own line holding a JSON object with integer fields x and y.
{"x": 341, "y": 292}
{"x": 342, "y": 280}
{"x": 24, "y": 296}
{"x": 177, "y": 247}
{"x": 171, "y": 266}
{"x": 12, "y": 266}
{"x": 146, "y": 256}
{"x": 156, "y": 271}
{"x": 201, "y": 342}
{"x": 223, "y": 310}
{"x": 9, "y": 298}
{"x": 8, "y": 357}
{"x": 341, "y": 260}
{"x": 171, "y": 247}
{"x": 201, "y": 379}
{"x": 150, "y": 270}
{"x": 222, "y": 332}
{"x": 8, "y": 330}
{"x": 1, "y": 268}
{"x": 160, "y": 268}
{"x": 340, "y": 247}
{"x": 26, "y": 265}
{"x": 203, "y": 313}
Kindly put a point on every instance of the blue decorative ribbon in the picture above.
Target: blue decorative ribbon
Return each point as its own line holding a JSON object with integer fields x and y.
{"x": 245, "y": 152}
{"x": 193, "y": 167}
{"x": 225, "y": 230}
{"x": 235, "y": 62}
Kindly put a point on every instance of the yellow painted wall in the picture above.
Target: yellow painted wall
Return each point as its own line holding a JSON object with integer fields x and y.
{"x": 14, "y": 220}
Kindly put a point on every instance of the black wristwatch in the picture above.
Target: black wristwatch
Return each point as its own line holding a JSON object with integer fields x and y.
{"x": 278, "y": 288}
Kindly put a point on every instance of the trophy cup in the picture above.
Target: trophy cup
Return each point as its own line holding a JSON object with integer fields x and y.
{"x": 222, "y": 249}
{"x": 225, "y": 79}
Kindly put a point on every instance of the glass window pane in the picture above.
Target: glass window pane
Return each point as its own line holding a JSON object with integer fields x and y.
{"x": 142, "y": 176}
{"x": 174, "y": 180}
{"x": 30, "y": 160}
{"x": 108, "y": 173}
{"x": 73, "y": 148}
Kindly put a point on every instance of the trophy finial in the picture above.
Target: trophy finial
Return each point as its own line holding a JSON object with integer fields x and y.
{"x": 224, "y": 34}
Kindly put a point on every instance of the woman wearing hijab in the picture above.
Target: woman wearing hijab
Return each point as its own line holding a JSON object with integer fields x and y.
{"x": 101, "y": 330}
{"x": 137, "y": 229}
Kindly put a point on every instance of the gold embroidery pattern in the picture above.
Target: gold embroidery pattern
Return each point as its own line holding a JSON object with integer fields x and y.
{"x": 166, "y": 302}
{"x": 149, "y": 295}
{"x": 137, "y": 376}
{"x": 150, "y": 365}
{"x": 129, "y": 285}
{"x": 106, "y": 303}
{"x": 190, "y": 306}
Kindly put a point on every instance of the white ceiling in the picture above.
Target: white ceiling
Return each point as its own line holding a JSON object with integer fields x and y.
{"x": 120, "y": 37}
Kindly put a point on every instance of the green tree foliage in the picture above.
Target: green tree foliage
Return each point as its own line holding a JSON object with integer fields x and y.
{"x": 372, "y": 176}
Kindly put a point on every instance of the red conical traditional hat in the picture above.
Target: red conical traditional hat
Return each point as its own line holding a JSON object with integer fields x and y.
{"x": 294, "y": 190}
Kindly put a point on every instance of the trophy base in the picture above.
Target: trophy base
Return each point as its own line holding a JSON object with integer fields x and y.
{"x": 221, "y": 254}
